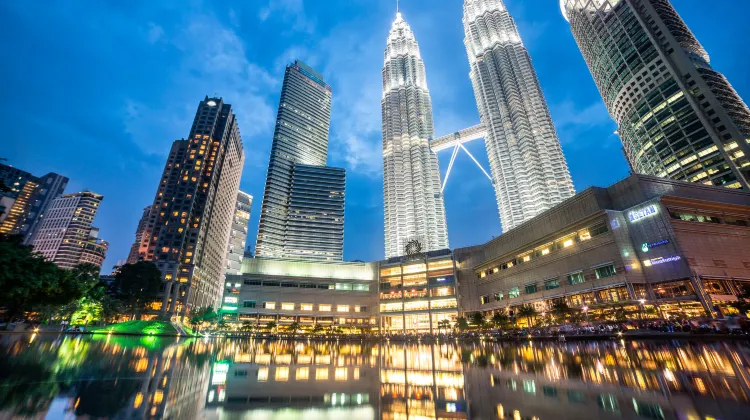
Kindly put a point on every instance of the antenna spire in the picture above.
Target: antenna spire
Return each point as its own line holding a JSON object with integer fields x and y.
{"x": 396, "y": 6}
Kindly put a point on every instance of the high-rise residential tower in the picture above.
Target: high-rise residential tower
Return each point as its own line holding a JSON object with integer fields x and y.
{"x": 528, "y": 168}
{"x": 238, "y": 234}
{"x": 414, "y": 209}
{"x": 677, "y": 117}
{"x": 32, "y": 195}
{"x": 300, "y": 138}
{"x": 65, "y": 235}
{"x": 136, "y": 251}
{"x": 192, "y": 211}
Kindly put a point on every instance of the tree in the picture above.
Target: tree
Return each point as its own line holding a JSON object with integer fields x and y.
{"x": 26, "y": 279}
{"x": 477, "y": 318}
{"x": 560, "y": 309}
{"x": 527, "y": 311}
{"x": 271, "y": 325}
{"x": 444, "y": 325}
{"x": 294, "y": 327}
{"x": 500, "y": 320}
{"x": 317, "y": 329}
{"x": 138, "y": 284}
{"x": 111, "y": 308}
{"x": 462, "y": 324}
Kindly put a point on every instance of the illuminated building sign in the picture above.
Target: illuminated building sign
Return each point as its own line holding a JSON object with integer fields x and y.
{"x": 646, "y": 246}
{"x": 230, "y": 299}
{"x": 639, "y": 214}
{"x": 660, "y": 260}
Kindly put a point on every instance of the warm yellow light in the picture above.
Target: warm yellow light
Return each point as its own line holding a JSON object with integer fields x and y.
{"x": 568, "y": 243}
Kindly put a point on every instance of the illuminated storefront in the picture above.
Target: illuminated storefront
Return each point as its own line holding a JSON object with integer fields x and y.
{"x": 418, "y": 294}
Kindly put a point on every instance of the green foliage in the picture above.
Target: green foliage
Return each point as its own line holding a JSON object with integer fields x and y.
{"x": 317, "y": 329}
{"x": 444, "y": 325}
{"x": 527, "y": 311}
{"x": 477, "y": 319}
{"x": 462, "y": 324}
{"x": 137, "y": 285}
{"x": 294, "y": 327}
{"x": 271, "y": 325}
{"x": 139, "y": 327}
{"x": 500, "y": 320}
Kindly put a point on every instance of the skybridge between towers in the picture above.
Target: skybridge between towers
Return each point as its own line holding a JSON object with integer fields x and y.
{"x": 456, "y": 141}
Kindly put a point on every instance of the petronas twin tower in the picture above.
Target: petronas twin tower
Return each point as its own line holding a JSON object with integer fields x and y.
{"x": 528, "y": 169}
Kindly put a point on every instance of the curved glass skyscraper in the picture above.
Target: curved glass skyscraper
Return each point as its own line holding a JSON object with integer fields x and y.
{"x": 414, "y": 207}
{"x": 529, "y": 171}
{"x": 677, "y": 117}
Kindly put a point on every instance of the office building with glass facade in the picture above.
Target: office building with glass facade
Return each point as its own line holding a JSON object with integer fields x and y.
{"x": 300, "y": 143}
{"x": 413, "y": 200}
{"x": 677, "y": 116}
{"x": 238, "y": 235}
{"x": 528, "y": 168}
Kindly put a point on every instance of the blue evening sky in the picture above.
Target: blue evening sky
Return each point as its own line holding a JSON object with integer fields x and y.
{"x": 98, "y": 90}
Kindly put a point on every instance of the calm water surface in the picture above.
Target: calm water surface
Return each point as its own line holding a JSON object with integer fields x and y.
{"x": 63, "y": 377}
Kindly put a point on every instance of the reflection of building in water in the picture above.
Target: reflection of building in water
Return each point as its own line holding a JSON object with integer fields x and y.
{"x": 264, "y": 376}
{"x": 326, "y": 293}
{"x": 174, "y": 381}
{"x": 422, "y": 381}
{"x": 633, "y": 380}
{"x": 418, "y": 293}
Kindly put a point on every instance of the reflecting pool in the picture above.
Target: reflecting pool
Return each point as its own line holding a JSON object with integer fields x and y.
{"x": 68, "y": 377}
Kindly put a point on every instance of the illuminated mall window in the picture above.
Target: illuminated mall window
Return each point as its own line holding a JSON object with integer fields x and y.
{"x": 605, "y": 271}
{"x": 321, "y": 374}
{"x": 530, "y": 288}
{"x": 342, "y": 308}
{"x": 248, "y": 304}
{"x": 499, "y": 296}
{"x": 575, "y": 278}
{"x": 263, "y": 374}
{"x": 306, "y": 306}
{"x": 302, "y": 374}
{"x": 343, "y": 286}
{"x": 484, "y": 299}
{"x": 282, "y": 373}
{"x": 287, "y": 306}
{"x": 324, "y": 308}
{"x": 341, "y": 374}
{"x": 514, "y": 293}
{"x": 361, "y": 287}
{"x": 269, "y": 305}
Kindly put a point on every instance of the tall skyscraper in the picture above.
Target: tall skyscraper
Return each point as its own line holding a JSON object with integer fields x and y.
{"x": 528, "y": 168}
{"x": 136, "y": 251}
{"x": 677, "y": 117}
{"x": 192, "y": 211}
{"x": 65, "y": 235}
{"x": 238, "y": 234}
{"x": 315, "y": 229}
{"x": 414, "y": 210}
{"x": 300, "y": 138}
{"x": 32, "y": 195}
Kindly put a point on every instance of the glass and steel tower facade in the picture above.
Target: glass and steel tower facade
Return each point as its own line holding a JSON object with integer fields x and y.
{"x": 191, "y": 216}
{"x": 136, "y": 252}
{"x": 528, "y": 168}
{"x": 315, "y": 229}
{"x": 300, "y": 138}
{"x": 414, "y": 208}
{"x": 238, "y": 234}
{"x": 677, "y": 117}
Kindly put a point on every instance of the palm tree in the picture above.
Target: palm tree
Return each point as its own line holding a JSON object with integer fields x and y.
{"x": 317, "y": 329}
{"x": 271, "y": 326}
{"x": 527, "y": 311}
{"x": 561, "y": 309}
{"x": 477, "y": 318}
{"x": 500, "y": 320}
{"x": 462, "y": 324}
{"x": 444, "y": 325}
{"x": 293, "y": 327}
{"x": 221, "y": 325}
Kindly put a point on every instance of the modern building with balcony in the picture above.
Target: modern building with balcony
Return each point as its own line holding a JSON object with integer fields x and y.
{"x": 678, "y": 248}
{"x": 417, "y": 293}
{"x": 283, "y": 291}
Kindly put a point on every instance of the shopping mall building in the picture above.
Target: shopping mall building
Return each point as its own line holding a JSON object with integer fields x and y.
{"x": 644, "y": 246}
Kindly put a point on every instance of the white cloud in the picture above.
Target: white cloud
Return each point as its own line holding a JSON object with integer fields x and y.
{"x": 291, "y": 12}
{"x": 212, "y": 60}
{"x": 573, "y": 120}
{"x": 155, "y": 33}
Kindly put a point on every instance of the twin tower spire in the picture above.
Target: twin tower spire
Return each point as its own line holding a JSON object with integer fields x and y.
{"x": 529, "y": 172}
